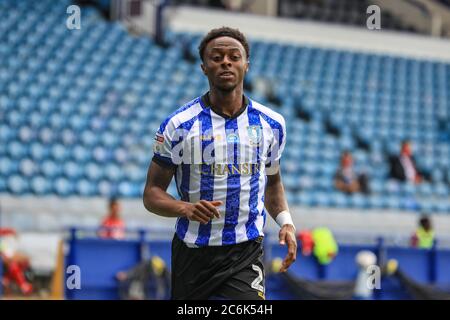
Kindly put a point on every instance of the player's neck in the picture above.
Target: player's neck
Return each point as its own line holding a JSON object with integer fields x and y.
{"x": 228, "y": 103}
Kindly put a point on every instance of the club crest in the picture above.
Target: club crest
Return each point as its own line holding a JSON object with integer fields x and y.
{"x": 254, "y": 134}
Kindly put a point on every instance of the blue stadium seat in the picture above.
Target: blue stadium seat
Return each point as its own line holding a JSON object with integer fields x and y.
{"x": 86, "y": 188}
{"x": 8, "y": 166}
{"x": 17, "y": 184}
{"x": 63, "y": 187}
{"x": 40, "y": 185}
{"x": 425, "y": 189}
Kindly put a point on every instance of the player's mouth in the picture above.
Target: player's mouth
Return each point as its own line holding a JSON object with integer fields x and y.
{"x": 226, "y": 75}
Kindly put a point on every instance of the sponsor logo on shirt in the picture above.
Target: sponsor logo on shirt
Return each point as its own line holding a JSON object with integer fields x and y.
{"x": 159, "y": 138}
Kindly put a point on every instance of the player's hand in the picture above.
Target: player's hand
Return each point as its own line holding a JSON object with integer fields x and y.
{"x": 202, "y": 211}
{"x": 287, "y": 236}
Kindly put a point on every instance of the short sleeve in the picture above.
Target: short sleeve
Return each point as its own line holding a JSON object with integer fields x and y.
{"x": 162, "y": 146}
{"x": 276, "y": 147}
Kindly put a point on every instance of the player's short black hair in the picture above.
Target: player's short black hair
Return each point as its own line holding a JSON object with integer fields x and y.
{"x": 405, "y": 141}
{"x": 223, "y": 32}
{"x": 425, "y": 221}
{"x": 112, "y": 201}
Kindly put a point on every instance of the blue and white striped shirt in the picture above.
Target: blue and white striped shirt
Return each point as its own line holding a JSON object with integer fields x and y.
{"x": 222, "y": 158}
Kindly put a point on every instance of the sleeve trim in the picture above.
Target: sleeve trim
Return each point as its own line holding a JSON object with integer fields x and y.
{"x": 163, "y": 161}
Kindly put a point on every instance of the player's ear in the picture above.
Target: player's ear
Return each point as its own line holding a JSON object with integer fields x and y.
{"x": 203, "y": 69}
{"x": 247, "y": 67}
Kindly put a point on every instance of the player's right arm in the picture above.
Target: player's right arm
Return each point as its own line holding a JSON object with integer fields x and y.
{"x": 158, "y": 201}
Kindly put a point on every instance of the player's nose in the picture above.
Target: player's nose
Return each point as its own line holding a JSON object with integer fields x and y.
{"x": 226, "y": 61}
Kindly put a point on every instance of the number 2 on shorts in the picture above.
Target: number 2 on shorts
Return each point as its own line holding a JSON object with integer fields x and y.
{"x": 256, "y": 284}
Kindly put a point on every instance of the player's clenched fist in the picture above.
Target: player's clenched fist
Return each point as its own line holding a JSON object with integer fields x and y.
{"x": 201, "y": 211}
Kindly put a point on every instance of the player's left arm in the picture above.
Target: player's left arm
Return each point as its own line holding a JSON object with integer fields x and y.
{"x": 276, "y": 204}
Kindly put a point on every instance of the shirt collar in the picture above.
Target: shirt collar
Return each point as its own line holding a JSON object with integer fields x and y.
{"x": 207, "y": 103}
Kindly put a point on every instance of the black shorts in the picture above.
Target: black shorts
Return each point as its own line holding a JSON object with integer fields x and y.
{"x": 218, "y": 272}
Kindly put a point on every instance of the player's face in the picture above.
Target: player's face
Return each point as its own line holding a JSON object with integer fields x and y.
{"x": 406, "y": 149}
{"x": 115, "y": 210}
{"x": 225, "y": 63}
{"x": 347, "y": 161}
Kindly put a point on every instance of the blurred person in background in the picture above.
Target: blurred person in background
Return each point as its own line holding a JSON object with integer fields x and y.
{"x": 423, "y": 237}
{"x": 320, "y": 242}
{"x": 16, "y": 264}
{"x": 347, "y": 180}
{"x": 306, "y": 242}
{"x": 403, "y": 166}
{"x": 149, "y": 279}
{"x": 112, "y": 226}
{"x": 325, "y": 246}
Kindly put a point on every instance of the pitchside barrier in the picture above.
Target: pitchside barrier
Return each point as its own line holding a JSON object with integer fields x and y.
{"x": 97, "y": 261}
